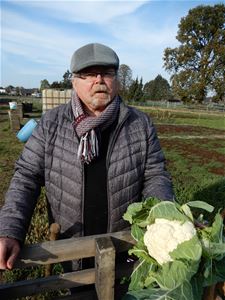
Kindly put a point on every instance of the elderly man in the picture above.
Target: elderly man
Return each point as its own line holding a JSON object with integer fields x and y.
{"x": 94, "y": 155}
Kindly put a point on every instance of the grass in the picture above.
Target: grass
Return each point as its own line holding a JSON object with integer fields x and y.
{"x": 197, "y": 167}
{"x": 217, "y": 123}
{"x": 181, "y": 117}
{"x": 10, "y": 149}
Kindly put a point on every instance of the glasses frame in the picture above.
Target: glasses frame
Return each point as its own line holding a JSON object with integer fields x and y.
{"x": 110, "y": 75}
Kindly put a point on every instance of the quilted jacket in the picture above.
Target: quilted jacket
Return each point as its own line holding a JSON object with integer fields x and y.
{"x": 135, "y": 170}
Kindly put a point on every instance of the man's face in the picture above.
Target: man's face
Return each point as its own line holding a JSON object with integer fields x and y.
{"x": 96, "y": 87}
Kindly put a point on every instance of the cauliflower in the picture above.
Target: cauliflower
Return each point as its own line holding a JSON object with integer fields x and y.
{"x": 164, "y": 235}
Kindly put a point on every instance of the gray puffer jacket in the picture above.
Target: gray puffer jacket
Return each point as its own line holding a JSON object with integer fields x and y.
{"x": 135, "y": 166}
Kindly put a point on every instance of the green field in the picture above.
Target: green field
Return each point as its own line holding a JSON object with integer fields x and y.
{"x": 194, "y": 146}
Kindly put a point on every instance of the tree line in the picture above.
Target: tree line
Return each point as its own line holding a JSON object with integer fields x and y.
{"x": 196, "y": 65}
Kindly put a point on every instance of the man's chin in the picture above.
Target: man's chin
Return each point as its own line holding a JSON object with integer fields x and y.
{"x": 101, "y": 101}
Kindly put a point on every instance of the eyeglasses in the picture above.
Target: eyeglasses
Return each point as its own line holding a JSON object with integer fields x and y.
{"x": 93, "y": 75}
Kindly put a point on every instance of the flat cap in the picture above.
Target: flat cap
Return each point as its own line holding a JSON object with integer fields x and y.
{"x": 93, "y": 55}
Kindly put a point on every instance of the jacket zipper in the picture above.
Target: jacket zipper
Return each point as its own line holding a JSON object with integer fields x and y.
{"x": 111, "y": 145}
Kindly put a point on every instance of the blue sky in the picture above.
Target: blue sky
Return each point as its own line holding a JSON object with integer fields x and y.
{"x": 38, "y": 38}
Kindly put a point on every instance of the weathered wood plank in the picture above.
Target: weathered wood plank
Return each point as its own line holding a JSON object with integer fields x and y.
{"x": 14, "y": 120}
{"x": 54, "y": 231}
{"x": 105, "y": 268}
{"x": 68, "y": 249}
{"x": 36, "y": 286}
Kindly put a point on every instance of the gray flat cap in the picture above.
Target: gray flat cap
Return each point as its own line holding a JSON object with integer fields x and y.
{"x": 93, "y": 55}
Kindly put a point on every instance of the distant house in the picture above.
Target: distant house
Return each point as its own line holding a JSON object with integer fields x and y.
{"x": 13, "y": 92}
{"x": 208, "y": 100}
{"x": 3, "y": 91}
{"x": 173, "y": 102}
{"x": 178, "y": 101}
{"x": 28, "y": 92}
{"x": 36, "y": 95}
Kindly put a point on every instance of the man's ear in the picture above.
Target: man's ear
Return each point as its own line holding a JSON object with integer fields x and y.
{"x": 74, "y": 82}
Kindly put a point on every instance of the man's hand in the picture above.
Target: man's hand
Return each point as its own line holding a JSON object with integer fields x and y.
{"x": 9, "y": 250}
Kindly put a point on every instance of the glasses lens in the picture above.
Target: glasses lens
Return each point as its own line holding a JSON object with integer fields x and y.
{"x": 109, "y": 75}
{"x": 93, "y": 75}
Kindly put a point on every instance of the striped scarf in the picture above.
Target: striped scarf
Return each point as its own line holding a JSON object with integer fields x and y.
{"x": 88, "y": 127}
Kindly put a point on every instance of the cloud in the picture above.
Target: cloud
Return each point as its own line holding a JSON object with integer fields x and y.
{"x": 98, "y": 12}
{"x": 46, "y": 43}
{"x": 36, "y": 42}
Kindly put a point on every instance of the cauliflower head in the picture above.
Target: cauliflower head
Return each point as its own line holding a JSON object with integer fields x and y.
{"x": 164, "y": 236}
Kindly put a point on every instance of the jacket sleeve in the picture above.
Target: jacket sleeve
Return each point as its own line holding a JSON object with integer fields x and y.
{"x": 24, "y": 188}
{"x": 157, "y": 181}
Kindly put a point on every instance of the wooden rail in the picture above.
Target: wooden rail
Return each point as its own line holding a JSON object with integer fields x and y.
{"x": 103, "y": 247}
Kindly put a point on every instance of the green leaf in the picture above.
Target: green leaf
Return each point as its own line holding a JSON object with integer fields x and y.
{"x": 141, "y": 218}
{"x": 132, "y": 211}
{"x": 213, "y": 250}
{"x": 139, "y": 274}
{"x": 197, "y": 287}
{"x": 137, "y": 233}
{"x": 137, "y": 212}
{"x": 140, "y": 252}
{"x": 166, "y": 210}
{"x": 150, "y": 202}
{"x": 186, "y": 209}
{"x": 202, "y": 205}
{"x": 190, "y": 250}
{"x": 173, "y": 274}
{"x": 217, "y": 229}
{"x": 182, "y": 292}
{"x": 214, "y": 272}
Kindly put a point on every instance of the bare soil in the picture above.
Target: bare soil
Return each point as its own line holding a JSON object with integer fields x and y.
{"x": 195, "y": 150}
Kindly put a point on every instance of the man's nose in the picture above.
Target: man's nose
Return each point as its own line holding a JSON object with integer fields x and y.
{"x": 99, "y": 77}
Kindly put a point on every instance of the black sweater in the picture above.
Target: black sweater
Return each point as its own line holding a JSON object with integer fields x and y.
{"x": 95, "y": 197}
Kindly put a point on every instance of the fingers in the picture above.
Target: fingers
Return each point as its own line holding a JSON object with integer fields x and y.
{"x": 12, "y": 258}
{"x": 9, "y": 250}
{"x": 3, "y": 260}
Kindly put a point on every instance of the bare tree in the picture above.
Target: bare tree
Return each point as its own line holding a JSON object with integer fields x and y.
{"x": 125, "y": 78}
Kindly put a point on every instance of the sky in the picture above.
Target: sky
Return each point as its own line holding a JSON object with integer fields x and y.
{"x": 38, "y": 38}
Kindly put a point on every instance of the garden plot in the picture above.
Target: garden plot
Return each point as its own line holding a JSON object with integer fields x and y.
{"x": 196, "y": 163}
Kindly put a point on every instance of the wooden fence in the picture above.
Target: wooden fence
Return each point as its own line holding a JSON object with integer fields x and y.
{"x": 103, "y": 247}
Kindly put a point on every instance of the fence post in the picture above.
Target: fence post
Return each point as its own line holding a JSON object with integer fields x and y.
{"x": 54, "y": 233}
{"x": 14, "y": 119}
{"x": 105, "y": 268}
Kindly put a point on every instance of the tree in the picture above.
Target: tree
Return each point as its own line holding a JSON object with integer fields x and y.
{"x": 19, "y": 91}
{"x": 135, "y": 92}
{"x": 44, "y": 85}
{"x": 63, "y": 84}
{"x": 56, "y": 85}
{"x": 197, "y": 65}
{"x": 157, "y": 89}
{"x": 125, "y": 79}
{"x": 66, "y": 83}
{"x": 138, "y": 96}
{"x": 9, "y": 89}
{"x": 219, "y": 88}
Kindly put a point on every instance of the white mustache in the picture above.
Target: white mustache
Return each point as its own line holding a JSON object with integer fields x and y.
{"x": 100, "y": 88}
